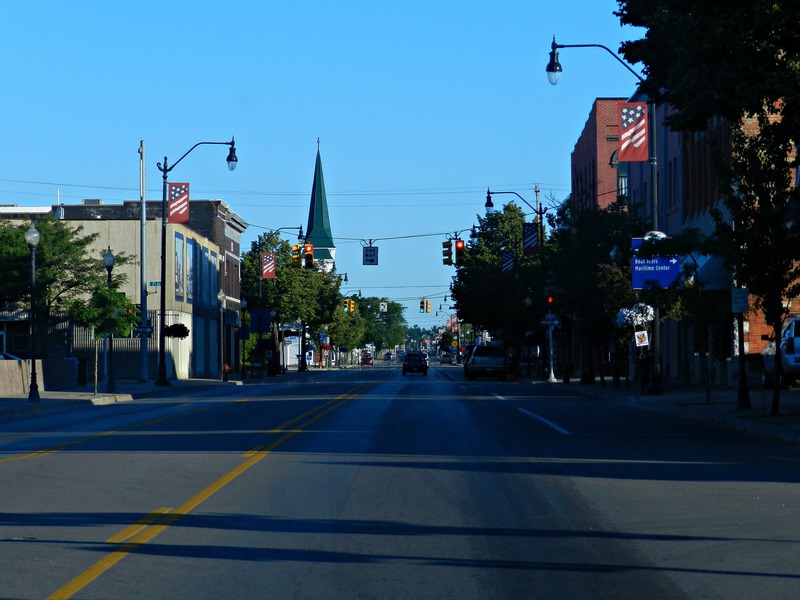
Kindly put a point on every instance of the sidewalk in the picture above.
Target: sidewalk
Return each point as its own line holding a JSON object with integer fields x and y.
{"x": 12, "y": 407}
{"x": 692, "y": 401}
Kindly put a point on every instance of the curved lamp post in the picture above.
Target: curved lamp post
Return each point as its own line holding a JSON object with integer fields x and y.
{"x": 554, "y": 70}
{"x": 32, "y": 238}
{"x": 232, "y": 160}
{"x": 108, "y": 261}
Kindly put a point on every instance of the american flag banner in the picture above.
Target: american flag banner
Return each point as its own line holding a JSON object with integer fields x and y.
{"x": 633, "y": 132}
{"x": 530, "y": 238}
{"x": 507, "y": 262}
{"x": 267, "y": 265}
{"x": 178, "y": 207}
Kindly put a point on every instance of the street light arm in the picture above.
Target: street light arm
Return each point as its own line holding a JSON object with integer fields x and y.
{"x": 538, "y": 211}
{"x": 166, "y": 169}
{"x": 554, "y": 46}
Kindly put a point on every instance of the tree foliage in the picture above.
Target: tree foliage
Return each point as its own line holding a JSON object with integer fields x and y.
{"x": 485, "y": 295}
{"x": 739, "y": 60}
{"x": 734, "y": 57}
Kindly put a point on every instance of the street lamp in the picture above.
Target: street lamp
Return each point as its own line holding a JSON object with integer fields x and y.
{"x": 32, "y": 238}
{"x": 538, "y": 210}
{"x": 108, "y": 261}
{"x": 554, "y": 70}
{"x": 232, "y": 160}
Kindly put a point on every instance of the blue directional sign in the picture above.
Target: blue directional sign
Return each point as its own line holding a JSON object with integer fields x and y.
{"x": 654, "y": 271}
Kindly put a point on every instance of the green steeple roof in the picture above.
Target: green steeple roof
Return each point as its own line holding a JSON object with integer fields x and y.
{"x": 318, "y": 231}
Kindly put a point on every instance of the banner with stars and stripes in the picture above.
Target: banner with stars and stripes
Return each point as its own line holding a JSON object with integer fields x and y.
{"x": 267, "y": 265}
{"x": 178, "y": 207}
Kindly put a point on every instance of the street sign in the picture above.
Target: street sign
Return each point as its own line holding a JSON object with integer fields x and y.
{"x": 370, "y": 255}
{"x": 655, "y": 271}
{"x": 550, "y": 319}
{"x": 739, "y": 300}
{"x": 155, "y": 284}
{"x": 142, "y": 330}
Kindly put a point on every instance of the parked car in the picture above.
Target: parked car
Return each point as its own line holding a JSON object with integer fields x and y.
{"x": 446, "y": 357}
{"x": 486, "y": 361}
{"x": 416, "y": 362}
{"x": 789, "y": 345}
{"x": 366, "y": 360}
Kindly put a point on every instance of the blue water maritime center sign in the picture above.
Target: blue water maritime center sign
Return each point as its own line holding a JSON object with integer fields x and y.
{"x": 653, "y": 271}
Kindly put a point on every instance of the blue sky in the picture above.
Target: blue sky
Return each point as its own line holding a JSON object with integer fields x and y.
{"x": 419, "y": 107}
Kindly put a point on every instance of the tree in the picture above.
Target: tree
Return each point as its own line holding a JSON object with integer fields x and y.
{"x": 383, "y": 329}
{"x": 347, "y": 330}
{"x": 760, "y": 235}
{"x": 591, "y": 251}
{"x": 739, "y": 60}
{"x": 67, "y": 271}
{"x": 485, "y": 295}
{"x": 734, "y": 58}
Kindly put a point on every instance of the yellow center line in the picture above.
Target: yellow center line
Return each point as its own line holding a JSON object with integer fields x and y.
{"x": 147, "y": 528}
{"x": 137, "y": 527}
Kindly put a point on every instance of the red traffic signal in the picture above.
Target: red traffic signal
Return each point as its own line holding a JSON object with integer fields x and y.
{"x": 460, "y": 247}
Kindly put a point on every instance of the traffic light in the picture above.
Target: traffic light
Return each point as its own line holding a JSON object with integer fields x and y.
{"x": 428, "y": 306}
{"x": 460, "y": 246}
{"x": 447, "y": 252}
{"x": 345, "y": 305}
{"x": 422, "y": 305}
{"x": 308, "y": 256}
{"x": 551, "y": 300}
{"x": 351, "y": 304}
{"x": 296, "y": 262}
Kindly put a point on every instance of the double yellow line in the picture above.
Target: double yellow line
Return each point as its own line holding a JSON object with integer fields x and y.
{"x": 151, "y": 525}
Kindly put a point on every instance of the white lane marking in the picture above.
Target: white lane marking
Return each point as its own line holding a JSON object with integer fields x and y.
{"x": 543, "y": 420}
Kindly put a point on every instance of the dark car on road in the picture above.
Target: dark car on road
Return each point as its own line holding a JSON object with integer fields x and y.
{"x": 415, "y": 362}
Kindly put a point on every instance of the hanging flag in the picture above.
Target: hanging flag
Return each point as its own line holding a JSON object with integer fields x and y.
{"x": 633, "y": 132}
{"x": 178, "y": 211}
{"x": 267, "y": 265}
{"x": 507, "y": 262}
{"x": 530, "y": 238}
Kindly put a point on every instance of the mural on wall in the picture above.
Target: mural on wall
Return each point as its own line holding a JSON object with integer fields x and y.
{"x": 180, "y": 273}
{"x": 191, "y": 275}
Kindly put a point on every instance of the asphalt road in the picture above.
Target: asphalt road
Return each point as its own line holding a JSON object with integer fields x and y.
{"x": 362, "y": 483}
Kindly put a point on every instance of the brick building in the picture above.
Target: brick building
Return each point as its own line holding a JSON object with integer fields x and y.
{"x": 597, "y": 177}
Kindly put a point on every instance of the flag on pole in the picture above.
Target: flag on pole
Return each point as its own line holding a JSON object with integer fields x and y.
{"x": 530, "y": 238}
{"x": 267, "y": 265}
{"x": 178, "y": 209}
{"x": 507, "y": 262}
{"x": 633, "y": 132}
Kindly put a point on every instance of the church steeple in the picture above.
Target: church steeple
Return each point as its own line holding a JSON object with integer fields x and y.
{"x": 318, "y": 231}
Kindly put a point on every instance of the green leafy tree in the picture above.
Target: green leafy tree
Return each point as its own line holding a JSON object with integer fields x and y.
{"x": 383, "y": 329}
{"x": 485, "y": 295}
{"x": 740, "y": 60}
{"x": 591, "y": 251}
{"x": 347, "y": 330}
{"x": 67, "y": 270}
